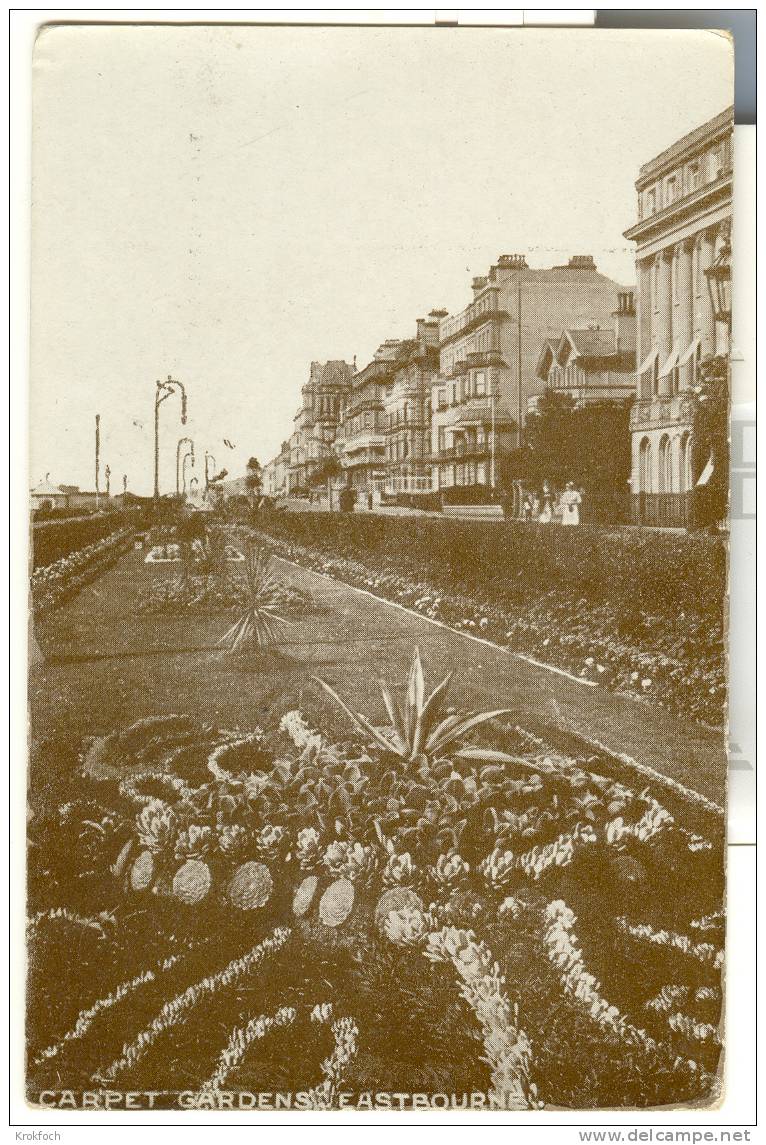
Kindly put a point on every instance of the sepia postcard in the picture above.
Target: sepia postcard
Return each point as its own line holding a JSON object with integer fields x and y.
{"x": 379, "y": 513}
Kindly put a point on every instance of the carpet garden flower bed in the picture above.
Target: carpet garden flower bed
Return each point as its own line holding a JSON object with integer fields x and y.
{"x": 404, "y": 912}
{"x": 603, "y": 622}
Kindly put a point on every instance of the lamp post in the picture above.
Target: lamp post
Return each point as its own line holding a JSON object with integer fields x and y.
{"x": 719, "y": 285}
{"x": 164, "y": 390}
{"x": 181, "y": 441}
{"x": 492, "y": 438}
{"x": 208, "y": 458}
{"x": 189, "y": 455}
{"x": 107, "y": 474}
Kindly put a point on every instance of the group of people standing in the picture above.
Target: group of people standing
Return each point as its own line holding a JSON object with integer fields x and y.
{"x": 544, "y": 507}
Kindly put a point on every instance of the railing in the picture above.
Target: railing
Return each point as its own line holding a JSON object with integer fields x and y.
{"x": 663, "y": 510}
{"x": 647, "y": 413}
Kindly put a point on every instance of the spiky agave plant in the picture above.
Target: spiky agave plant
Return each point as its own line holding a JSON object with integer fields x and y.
{"x": 260, "y": 625}
{"x": 420, "y": 727}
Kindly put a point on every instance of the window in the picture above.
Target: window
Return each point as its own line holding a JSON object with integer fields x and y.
{"x": 694, "y": 176}
{"x": 670, "y": 189}
{"x": 441, "y": 399}
{"x": 480, "y": 384}
{"x": 716, "y": 162}
{"x": 651, "y": 201}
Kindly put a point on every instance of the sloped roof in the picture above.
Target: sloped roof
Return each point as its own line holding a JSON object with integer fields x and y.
{"x": 592, "y": 343}
{"x": 47, "y": 488}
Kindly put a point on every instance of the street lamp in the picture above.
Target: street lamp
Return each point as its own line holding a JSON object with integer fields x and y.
{"x": 107, "y": 474}
{"x": 208, "y": 458}
{"x": 164, "y": 390}
{"x": 719, "y": 285}
{"x": 187, "y": 456}
{"x": 182, "y": 441}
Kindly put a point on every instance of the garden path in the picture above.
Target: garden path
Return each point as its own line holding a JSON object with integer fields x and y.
{"x": 105, "y": 664}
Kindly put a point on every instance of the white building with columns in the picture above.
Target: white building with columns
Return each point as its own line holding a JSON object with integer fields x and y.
{"x": 684, "y": 220}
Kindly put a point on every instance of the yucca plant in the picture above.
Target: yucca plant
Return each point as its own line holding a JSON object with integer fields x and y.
{"x": 260, "y": 625}
{"x": 420, "y": 727}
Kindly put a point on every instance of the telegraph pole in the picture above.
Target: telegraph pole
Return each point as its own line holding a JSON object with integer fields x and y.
{"x": 98, "y": 454}
{"x": 518, "y": 359}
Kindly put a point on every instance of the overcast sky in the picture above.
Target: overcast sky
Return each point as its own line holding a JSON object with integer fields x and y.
{"x": 226, "y": 205}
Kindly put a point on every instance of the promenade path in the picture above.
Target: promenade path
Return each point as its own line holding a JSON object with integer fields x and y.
{"x": 104, "y": 664}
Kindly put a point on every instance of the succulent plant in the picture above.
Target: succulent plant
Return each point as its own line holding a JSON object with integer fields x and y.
{"x": 142, "y": 871}
{"x": 232, "y": 838}
{"x": 308, "y": 848}
{"x": 337, "y": 902}
{"x": 269, "y": 840}
{"x": 396, "y": 899}
{"x": 449, "y": 870}
{"x": 422, "y": 727}
{"x": 304, "y": 895}
{"x": 194, "y": 841}
{"x": 405, "y": 927}
{"x": 156, "y": 825}
{"x": 349, "y": 860}
{"x": 399, "y": 871}
{"x": 250, "y": 886}
{"x": 191, "y": 882}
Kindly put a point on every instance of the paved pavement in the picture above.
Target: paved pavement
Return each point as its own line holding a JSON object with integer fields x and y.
{"x": 105, "y": 665}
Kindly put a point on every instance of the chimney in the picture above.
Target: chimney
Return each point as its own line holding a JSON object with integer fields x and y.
{"x": 478, "y": 285}
{"x": 625, "y": 323}
{"x": 582, "y": 262}
{"x": 420, "y": 333}
{"x": 512, "y": 262}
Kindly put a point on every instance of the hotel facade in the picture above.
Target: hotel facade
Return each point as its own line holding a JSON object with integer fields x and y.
{"x": 682, "y": 236}
{"x": 488, "y": 358}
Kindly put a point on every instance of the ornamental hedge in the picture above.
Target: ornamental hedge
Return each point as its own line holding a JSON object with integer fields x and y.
{"x": 514, "y": 562}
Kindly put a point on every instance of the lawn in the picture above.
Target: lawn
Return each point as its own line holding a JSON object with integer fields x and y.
{"x": 239, "y": 900}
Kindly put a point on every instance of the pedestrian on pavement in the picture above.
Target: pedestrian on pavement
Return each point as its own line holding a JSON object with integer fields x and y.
{"x": 546, "y": 515}
{"x": 571, "y": 500}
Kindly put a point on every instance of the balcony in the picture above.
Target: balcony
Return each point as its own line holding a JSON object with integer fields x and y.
{"x": 370, "y": 439}
{"x": 478, "y": 411}
{"x": 470, "y": 321}
{"x": 657, "y": 412}
{"x": 460, "y": 453}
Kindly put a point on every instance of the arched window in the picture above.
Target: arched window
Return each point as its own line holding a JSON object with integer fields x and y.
{"x": 665, "y": 465}
{"x": 644, "y": 463}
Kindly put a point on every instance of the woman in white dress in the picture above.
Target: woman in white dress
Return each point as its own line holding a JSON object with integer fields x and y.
{"x": 570, "y": 503}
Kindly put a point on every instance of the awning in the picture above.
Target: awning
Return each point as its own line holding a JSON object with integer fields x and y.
{"x": 670, "y": 363}
{"x": 648, "y": 361}
{"x": 689, "y": 352}
{"x": 706, "y": 473}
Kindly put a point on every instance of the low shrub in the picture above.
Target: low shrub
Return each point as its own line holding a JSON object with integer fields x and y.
{"x": 513, "y": 562}
{"x": 54, "y": 539}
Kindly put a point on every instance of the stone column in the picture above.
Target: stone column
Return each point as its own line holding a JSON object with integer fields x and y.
{"x": 643, "y": 324}
{"x": 684, "y": 327}
{"x": 663, "y": 306}
{"x": 707, "y": 318}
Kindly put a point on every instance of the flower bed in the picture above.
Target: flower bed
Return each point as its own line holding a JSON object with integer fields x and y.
{"x": 671, "y": 658}
{"x": 55, "y": 583}
{"x": 279, "y": 911}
